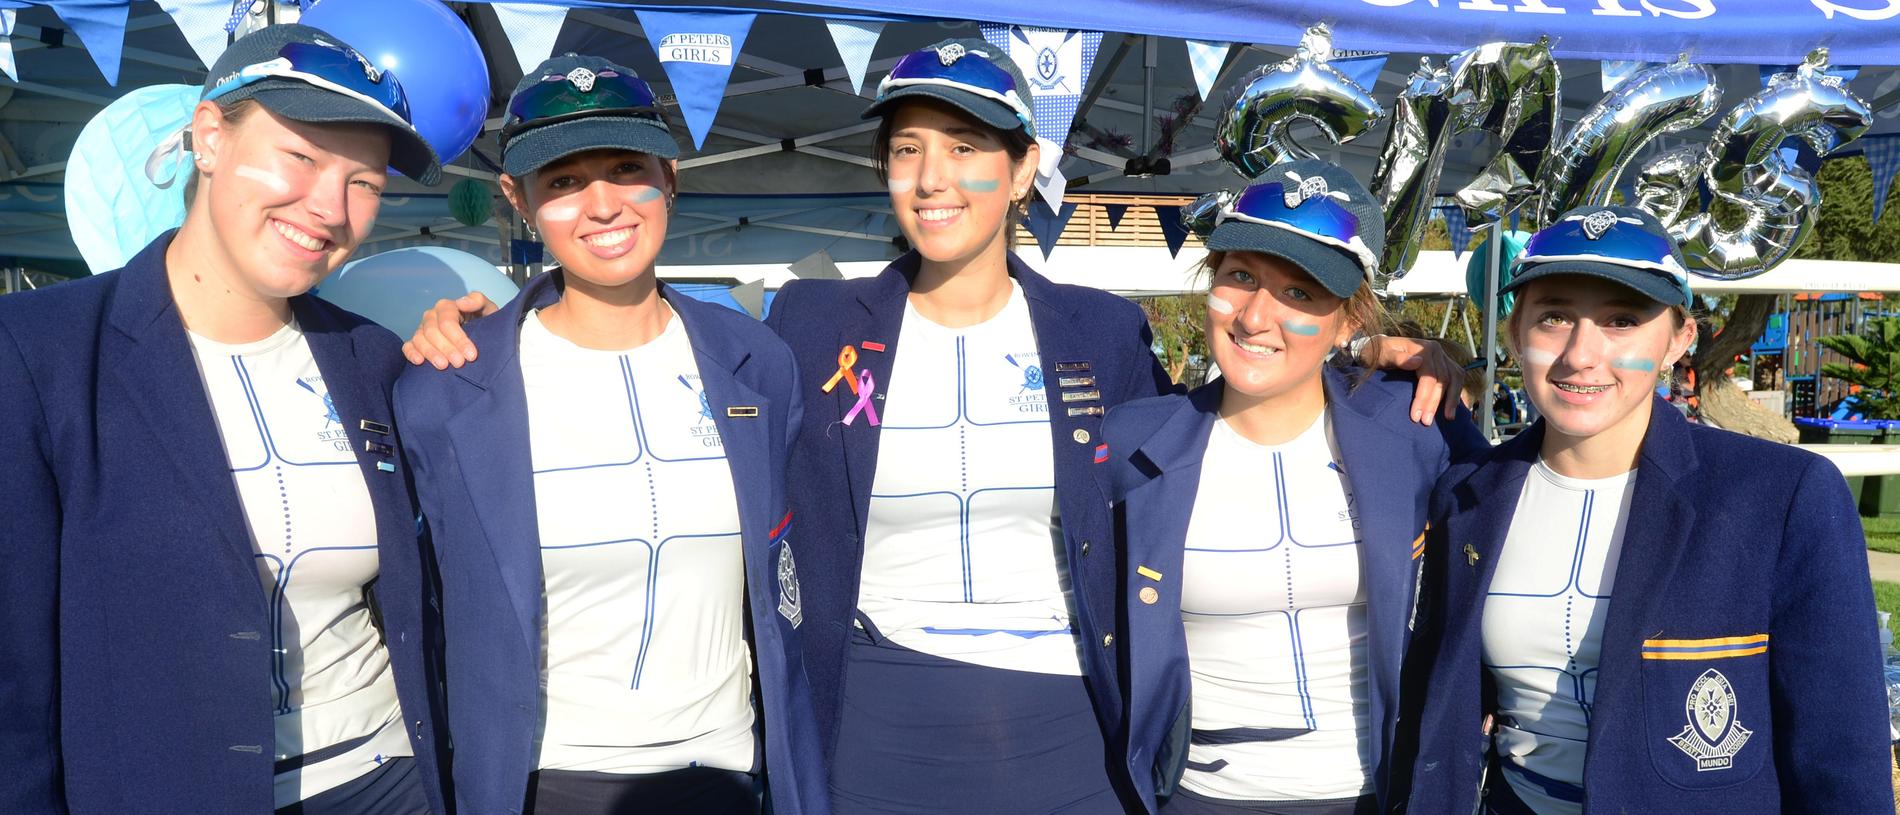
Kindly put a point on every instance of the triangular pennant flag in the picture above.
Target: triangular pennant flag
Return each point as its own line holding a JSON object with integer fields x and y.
{"x": 1115, "y": 212}
{"x": 819, "y": 266}
{"x": 532, "y": 29}
{"x": 1206, "y": 58}
{"x": 1455, "y": 226}
{"x": 1883, "y": 158}
{"x": 698, "y": 51}
{"x": 202, "y": 23}
{"x": 101, "y": 27}
{"x": 1614, "y": 72}
{"x": 1362, "y": 69}
{"x": 751, "y": 297}
{"x": 1053, "y": 185}
{"x": 6, "y": 45}
{"x": 855, "y": 40}
{"x": 1171, "y": 228}
{"x": 1056, "y": 63}
{"x": 1047, "y": 226}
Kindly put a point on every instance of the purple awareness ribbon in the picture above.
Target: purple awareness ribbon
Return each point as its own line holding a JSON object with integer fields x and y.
{"x": 866, "y": 387}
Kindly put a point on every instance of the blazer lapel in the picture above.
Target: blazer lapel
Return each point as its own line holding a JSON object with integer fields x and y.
{"x": 151, "y": 360}
{"x": 1074, "y": 439}
{"x": 361, "y": 396}
{"x": 744, "y": 418}
{"x": 490, "y": 439}
{"x": 1172, "y": 457}
{"x": 878, "y": 320}
{"x": 1486, "y": 501}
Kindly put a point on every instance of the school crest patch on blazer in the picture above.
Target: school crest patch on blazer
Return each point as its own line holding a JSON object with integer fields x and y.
{"x": 1713, "y": 735}
{"x": 788, "y": 603}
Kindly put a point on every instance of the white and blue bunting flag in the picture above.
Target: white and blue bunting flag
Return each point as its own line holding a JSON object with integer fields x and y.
{"x": 856, "y": 39}
{"x": 698, "y": 50}
{"x": 1205, "y": 59}
{"x": 202, "y": 23}
{"x": 1883, "y": 158}
{"x": 532, "y": 29}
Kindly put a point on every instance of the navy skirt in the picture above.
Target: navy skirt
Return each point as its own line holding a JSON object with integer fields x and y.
{"x": 919, "y": 733}
{"x": 393, "y": 788}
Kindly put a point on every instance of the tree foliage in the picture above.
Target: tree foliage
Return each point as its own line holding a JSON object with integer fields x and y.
{"x": 1180, "y": 327}
{"x": 1874, "y": 364}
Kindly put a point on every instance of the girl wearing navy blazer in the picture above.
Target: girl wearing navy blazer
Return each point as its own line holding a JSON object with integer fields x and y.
{"x": 604, "y": 489}
{"x": 199, "y": 462}
{"x": 1270, "y": 524}
{"x": 1628, "y": 612}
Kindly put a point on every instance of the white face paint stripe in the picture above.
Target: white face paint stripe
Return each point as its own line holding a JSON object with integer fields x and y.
{"x": 1539, "y": 356}
{"x": 1219, "y": 305}
{"x": 558, "y": 212}
{"x": 900, "y": 186}
{"x": 270, "y": 180}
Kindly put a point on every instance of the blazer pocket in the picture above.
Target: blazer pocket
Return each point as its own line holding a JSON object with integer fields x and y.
{"x": 785, "y": 572}
{"x": 1707, "y": 715}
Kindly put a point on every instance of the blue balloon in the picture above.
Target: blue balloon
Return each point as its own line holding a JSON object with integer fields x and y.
{"x": 1479, "y": 258}
{"x": 432, "y": 53}
{"x": 394, "y": 288}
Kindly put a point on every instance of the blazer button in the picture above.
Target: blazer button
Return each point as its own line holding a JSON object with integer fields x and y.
{"x": 1108, "y": 640}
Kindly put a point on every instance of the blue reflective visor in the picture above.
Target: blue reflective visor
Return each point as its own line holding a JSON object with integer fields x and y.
{"x": 578, "y": 93}
{"x": 1622, "y": 242}
{"x": 329, "y": 66}
{"x": 1318, "y": 217}
{"x": 973, "y": 74}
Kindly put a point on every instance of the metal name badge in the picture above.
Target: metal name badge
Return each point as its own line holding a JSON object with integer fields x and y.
{"x": 788, "y": 602}
{"x": 1713, "y": 735}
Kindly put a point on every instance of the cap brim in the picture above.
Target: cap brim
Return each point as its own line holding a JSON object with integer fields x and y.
{"x": 536, "y": 148}
{"x": 988, "y": 111}
{"x": 1334, "y": 268}
{"x": 409, "y": 153}
{"x": 1653, "y": 285}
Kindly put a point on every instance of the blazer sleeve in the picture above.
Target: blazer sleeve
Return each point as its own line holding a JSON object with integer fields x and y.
{"x": 29, "y": 582}
{"x": 1461, "y": 433}
{"x": 1830, "y": 701}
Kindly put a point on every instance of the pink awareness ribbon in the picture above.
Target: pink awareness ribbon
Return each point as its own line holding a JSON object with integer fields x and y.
{"x": 866, "y": 387}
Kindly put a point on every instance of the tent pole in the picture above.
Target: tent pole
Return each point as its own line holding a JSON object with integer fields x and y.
{"x": 1487, "y": 422}
{"x": 1444, "y": 328}
{"x": 1150, "y": 56}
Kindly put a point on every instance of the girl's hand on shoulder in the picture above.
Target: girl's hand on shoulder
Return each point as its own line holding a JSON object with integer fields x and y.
{"x": 1438, "y": 375}
{"x": 439, "y": 339}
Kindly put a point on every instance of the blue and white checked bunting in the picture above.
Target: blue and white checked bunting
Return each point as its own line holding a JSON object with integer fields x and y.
{"x": 1455, "y": 225}
{"x": 1883, "y": 158}
{"x": 239, "y": 9}
{"x": 532, "y": 29}
{"x": 1056, "y": 63}
{"x": 6, "y": 45}
{"x": 1206, "y": 58}
{"x": 204, "y": 24}
{"x": 856, "y": 39}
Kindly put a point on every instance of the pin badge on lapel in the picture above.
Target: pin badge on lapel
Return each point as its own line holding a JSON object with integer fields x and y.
{"x": 378, "y": 448}
{"x": 1148, "y": 573}
{"x": 378, "y": 428}
{"x": 385, "y": 466}
{"x": 1081, "y": 436}
{"x": 872, "y": 346}
{"x": 1149, "y": 595}
{"x": 1471, "y": 555}
{"x": 1072, "y": 367}
{"x": 742, "y": 412}
{"x": 1082, "y": 396}
{"x": 1091, "y": 410}
{"x": 1075, "y": 381}
{"x": 866, "y": 388}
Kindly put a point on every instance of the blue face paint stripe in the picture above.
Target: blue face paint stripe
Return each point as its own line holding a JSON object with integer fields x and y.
{"x": 1634, "y": 364}
{"x": 1302, "y": 329}
{"x": 647, "y": 194}
{"x": 979, "y": 185}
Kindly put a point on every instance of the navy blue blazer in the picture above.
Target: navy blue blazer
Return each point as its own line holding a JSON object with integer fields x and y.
{"x": 833, "y": 465}
{"x": 1728, "y": 537}
{"x": 466, "y": 435}
{"x": 1157, "y": 446}
{"x": 135, "y": 658}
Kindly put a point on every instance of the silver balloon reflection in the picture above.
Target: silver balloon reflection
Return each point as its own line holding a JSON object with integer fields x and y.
{"x": 1662, "y": 99}
{"x": 1253, "y": 131}
{"x": 1406, "y": 178}
{"x": 1510, "y": 90}
{"x": 1667, "y": 179}
{"x": 1200, "y": 217}
{"x": 1743, "y": 165}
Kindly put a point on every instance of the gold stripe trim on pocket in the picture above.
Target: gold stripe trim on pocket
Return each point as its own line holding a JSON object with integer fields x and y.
{"x": 1710, "y": 648}
{"x": 1736, "y": 652}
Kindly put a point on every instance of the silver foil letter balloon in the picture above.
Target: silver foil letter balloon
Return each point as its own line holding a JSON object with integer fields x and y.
{"x": 1512, "y": 93}
{"x": 1406, "y": 177}
{"x": 1658, "y": 100}
{"x": 1203, "y": 214}
{"x": 1743, "y": 165}
{"x": 1254, "y": 128}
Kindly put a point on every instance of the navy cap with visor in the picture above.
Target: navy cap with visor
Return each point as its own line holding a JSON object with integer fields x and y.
{"x": 968, "y": 74}
{"x": 571, "y": 104}
{"x": 304, "y": 74}
{"x": 1624, "y": 245}
{"x": 1314, "y": 215}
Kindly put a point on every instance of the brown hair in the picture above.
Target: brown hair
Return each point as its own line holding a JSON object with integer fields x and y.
{"x": 1364, "y": 312}
{"x": 1015, "y": 141}
{"x": 234, "y": 116}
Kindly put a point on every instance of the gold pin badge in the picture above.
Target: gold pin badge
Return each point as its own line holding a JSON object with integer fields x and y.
{"x": 1471, "y": 555}
{"x": 1149, "y": 595}
{"x": 742, "y": 412}
{"x": 1148, "y": 573}
{"x": 1081, "y": 436}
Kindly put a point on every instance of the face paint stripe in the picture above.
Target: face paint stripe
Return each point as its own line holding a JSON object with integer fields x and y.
{"x": 1539, "y": 356}
{"x": 899, "y": 186}
{"x": 647, "y": 195}
{"x": 1634, "y": 364}
{"x": 265, "y": 177}
{"x": 979, "y": 184}
{"x": 1219, "y": 305}
{"x": 1302, "y": 329}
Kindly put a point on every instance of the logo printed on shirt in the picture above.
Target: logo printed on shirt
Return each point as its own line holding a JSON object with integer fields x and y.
{"x": 338, "y": 438}
{"x": 703, "y": 429}
{"x": 1030, "y": 397}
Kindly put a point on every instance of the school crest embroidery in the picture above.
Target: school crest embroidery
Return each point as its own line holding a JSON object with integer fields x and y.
{"x": 1713, "y": 736}
{"x": 788, "y": 603}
